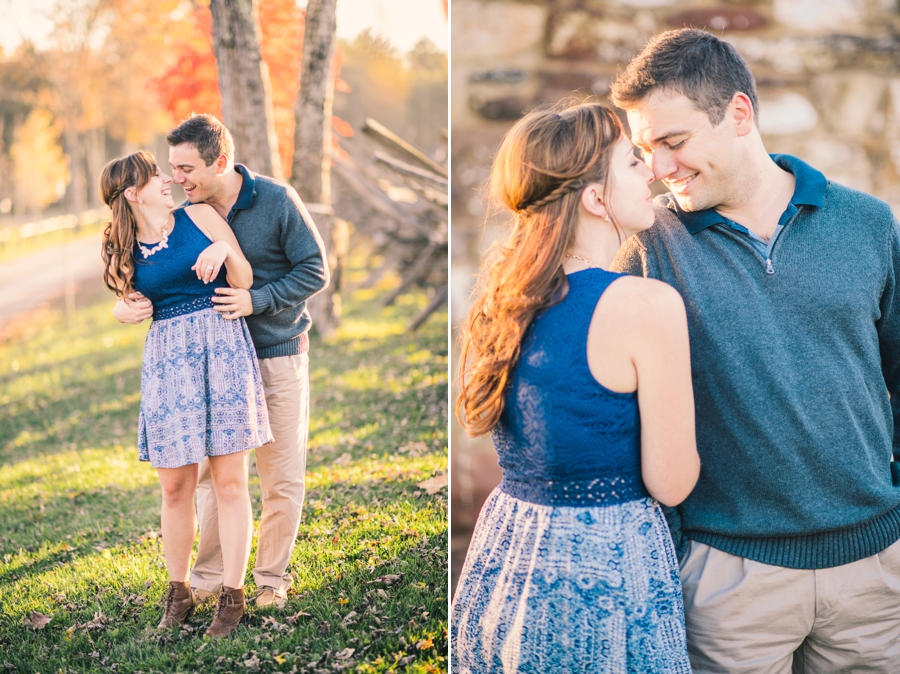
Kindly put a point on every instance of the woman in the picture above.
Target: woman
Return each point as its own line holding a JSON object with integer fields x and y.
{"x": 583, "y": 378}
{"x": 201, "y": 391}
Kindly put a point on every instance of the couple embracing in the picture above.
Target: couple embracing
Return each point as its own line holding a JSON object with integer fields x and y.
{"x": 225, "y": 279}
{"x": 698, "y": 467}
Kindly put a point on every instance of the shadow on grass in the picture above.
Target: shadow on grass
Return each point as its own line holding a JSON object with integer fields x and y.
{"x": 378, "y": 610}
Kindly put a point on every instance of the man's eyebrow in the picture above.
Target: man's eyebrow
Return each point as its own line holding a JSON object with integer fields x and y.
{"x": 642, "y": 144}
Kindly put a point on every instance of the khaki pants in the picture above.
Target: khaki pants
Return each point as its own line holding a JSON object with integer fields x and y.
{"x": 281, "y": 466}
{"x": 747, "y": 617}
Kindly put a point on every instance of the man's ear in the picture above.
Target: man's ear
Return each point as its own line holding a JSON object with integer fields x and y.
{"x": 592, "y": 200}
{"x": 221, "y": 164}
{"x": 741, "y": 111}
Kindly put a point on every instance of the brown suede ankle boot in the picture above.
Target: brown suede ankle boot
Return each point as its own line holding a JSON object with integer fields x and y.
{"x": 178, "y": 604}
{"x": 229, "y": 611}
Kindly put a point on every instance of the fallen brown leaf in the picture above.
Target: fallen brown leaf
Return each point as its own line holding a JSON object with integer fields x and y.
{"x": 434, "y": 485}
{"x": 38, "y": 621}
{"x": 294, "y": 618}
{"x": 345, "y": 654}
{"x": 388, "y": 579}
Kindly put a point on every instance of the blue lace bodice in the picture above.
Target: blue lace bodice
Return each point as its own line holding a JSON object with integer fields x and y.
{"x": 166, "y": 277}
{"x": 563, "y": 438}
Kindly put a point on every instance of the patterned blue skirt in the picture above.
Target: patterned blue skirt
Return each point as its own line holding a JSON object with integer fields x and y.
{"x": 201, "y": 391}
{"x": 563, "y": 589}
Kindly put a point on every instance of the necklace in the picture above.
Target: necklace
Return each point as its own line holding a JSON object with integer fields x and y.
{"x": 584, "y": 259}
{"x": 164, "y": 243}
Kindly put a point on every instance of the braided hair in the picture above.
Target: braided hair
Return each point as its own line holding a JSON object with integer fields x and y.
{"x": 134, "y": 170}
{"x": 544, "y": 163}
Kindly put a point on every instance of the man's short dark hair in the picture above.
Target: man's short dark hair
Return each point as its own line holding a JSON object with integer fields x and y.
{"x": 691, "y": 62}
{"x": 207, "y": 134}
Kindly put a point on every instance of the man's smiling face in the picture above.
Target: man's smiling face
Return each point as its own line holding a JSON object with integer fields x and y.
{"x": 693, "y": 158}
{"x": 200, "y": 182}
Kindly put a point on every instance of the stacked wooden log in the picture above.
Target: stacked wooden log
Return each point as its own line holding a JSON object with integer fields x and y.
{"x": 401, "y": 203}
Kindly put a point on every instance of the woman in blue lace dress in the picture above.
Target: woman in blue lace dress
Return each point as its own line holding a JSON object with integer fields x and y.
{"x": 583, "y": 378}
{"x": 201, "y": 391}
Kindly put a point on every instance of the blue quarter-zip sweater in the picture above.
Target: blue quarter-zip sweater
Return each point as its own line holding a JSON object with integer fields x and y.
{"x": 795, "y": 350}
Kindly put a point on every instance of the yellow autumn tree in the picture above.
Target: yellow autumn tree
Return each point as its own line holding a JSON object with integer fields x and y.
{"x": 40, "y": 168}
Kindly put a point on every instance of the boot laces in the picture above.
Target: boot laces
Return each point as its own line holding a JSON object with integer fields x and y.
{"x": 225, "y": 600}
{"x": 169, "y": 601}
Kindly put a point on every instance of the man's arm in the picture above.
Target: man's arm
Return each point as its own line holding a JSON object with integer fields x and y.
{"x": 133, "y": 309}
{"x": 303, "y": 246}
{"x": 889, "y": 332}
{"x": 309, "y": 274}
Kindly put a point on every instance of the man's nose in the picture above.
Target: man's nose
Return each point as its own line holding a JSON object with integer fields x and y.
{"x": 662, "y": 164}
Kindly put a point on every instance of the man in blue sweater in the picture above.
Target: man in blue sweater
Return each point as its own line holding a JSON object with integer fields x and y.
{"x": 789, "y": 542}
{"x": 280, "y": 241}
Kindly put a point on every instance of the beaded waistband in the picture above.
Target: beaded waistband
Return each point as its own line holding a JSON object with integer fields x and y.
{"x": 182, "y": 308}
{"x": 598, "y": 491}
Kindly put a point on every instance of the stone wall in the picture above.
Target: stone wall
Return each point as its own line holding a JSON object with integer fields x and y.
{"x": 828, "y": 75}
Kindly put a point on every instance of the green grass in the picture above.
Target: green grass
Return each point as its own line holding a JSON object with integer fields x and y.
{"x": 79, "y": 519}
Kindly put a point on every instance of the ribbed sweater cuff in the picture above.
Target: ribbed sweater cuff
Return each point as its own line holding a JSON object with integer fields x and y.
{"x": 260, "y": 300}
{"x": 292, "y": 347}
{"x": 813, "y": 551}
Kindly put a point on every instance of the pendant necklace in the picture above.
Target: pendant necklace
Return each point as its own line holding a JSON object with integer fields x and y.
{"x": 164, "y": 243}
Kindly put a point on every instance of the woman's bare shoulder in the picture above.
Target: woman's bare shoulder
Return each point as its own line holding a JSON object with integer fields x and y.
{"x": 635, "y": 295}
{"x": 201, "y": 211}
{"x": 642, "y": 308}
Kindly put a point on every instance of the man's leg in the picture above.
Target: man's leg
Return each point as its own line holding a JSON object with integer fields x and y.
{"x": 206, "y": 574}
{"x": 282, "y": 467}
{"x": 857, "y": 618}
{"x": 742, "y": 616}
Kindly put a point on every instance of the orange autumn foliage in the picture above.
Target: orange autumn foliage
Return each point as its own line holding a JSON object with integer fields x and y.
{"x": 190, "y": 83}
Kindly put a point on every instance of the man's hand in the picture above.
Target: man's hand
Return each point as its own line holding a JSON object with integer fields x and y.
{"x": 133, "y": 308}
{"x": 233, "y": 302}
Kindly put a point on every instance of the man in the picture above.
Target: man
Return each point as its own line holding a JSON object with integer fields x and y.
{"x": 792, "y": 287}
{"x": 286, "y": 252}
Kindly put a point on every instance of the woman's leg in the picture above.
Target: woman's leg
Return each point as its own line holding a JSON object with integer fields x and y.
{"x": 179, "y": 521}
{"x": 229, "y": 477}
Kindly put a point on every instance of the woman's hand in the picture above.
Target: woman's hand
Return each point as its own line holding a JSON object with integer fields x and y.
{"x": 210, "y": 261}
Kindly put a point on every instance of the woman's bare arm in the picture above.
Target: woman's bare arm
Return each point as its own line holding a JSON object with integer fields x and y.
{"x": 639, "y": 339}
{"x": 224, "y": 249}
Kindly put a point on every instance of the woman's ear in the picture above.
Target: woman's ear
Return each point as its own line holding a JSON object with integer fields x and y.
{"x": 592, "y": 200}
{"x": 130, "y": 194}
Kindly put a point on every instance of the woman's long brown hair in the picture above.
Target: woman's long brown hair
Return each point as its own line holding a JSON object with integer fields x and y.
{"x": 133, "y": 170}
{"x": 543, "y": 164}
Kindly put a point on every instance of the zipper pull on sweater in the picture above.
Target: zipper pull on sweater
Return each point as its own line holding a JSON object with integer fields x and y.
{"x": 769, "y": 268}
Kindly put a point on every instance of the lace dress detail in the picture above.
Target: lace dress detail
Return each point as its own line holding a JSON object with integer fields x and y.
{"x": 571, "y": 567}
{"x": 201, "y": 390}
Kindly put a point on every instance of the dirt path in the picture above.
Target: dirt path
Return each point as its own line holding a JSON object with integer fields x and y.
{"x": 29, "y": 281}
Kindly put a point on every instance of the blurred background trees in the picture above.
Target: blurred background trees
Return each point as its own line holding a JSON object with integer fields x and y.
{"x": 115, "y": 75}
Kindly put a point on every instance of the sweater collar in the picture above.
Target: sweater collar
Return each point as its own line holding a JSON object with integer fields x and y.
{"x": 809, "y": 190}
{"x": 248, "y": 191}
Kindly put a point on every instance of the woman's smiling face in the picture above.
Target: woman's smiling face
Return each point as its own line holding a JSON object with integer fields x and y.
{"x": 630, "y": 201}
{"x": 157, "y": 191}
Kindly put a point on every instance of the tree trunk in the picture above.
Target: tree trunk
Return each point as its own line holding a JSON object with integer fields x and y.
{"x": 244, "y": 85}
{"x": 311, "y": 167}
{"x": 95, "y": 140}
{"x": 77, "y": 193}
